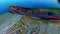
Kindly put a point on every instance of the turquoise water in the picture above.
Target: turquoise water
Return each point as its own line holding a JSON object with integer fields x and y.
{"x": 28, "y": 3}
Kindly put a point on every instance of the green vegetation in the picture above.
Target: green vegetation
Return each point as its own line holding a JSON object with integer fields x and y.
{"x": 33, "y": 29}
{"x": 35, "y": 21}
{"x": 53, "y": 9}
{"x": 45, "y": 22}
{"x": 18, "y": 25}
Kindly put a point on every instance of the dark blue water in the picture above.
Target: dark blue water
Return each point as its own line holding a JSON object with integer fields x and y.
{"x": 28, "y": 3}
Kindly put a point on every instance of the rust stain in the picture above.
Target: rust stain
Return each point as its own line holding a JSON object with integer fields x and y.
{"x": 54, "y": 22}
